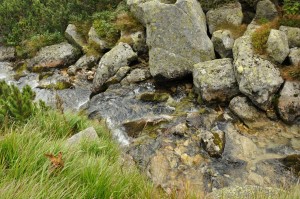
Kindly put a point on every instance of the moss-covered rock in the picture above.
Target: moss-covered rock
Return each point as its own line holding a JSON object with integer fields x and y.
{"x": 154, "y": 97}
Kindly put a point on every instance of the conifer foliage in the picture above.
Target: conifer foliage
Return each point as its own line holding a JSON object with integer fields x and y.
{"x": 16, "y": 105}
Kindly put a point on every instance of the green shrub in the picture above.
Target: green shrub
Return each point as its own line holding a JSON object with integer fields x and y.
{"x": 291, "y": 7}
{"x": 22, "y": 19}
{"x": 16, "y": 105}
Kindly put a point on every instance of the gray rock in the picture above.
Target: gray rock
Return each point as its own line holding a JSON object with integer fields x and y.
{"x": 7, "y": 53}
{"x": 289, "y": 102}
{"x": 87, "y": 61}
{"x": 74, "y": 37}
{"x": 72, "y": 70}
{"x": 257, "y": 78}
{"x": 58, "y": 55}
{"x": 215, "y": 80}
{"x": 137, "y": 75}
{"x": 6, "y": 71}
{"x": 223, "y": 42}
{"x": 245, "y": 110}
{"x": 111, "y": 62}
{"x": 294, "y": 56}
{"x": 88, "y": 134}
{"x": 122, "y": 72}
{"x": 175, "y": 49}
{"x": 139, "y": 41}
{"x": 266, "y": 10}
{"x": 277, "y": 45}
{"x": 293, "y": 35}
{"x": 95, "y": 39}
{"x": 213, "y": 141}
{"x": 228, "y": 13}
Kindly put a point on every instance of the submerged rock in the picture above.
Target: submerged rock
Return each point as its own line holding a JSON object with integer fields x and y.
{"x": 227, "y": 14}
{"x": 58, "y": 55}
{"x": 121, "y": 55}
{"x": 215, "y": 80}
{"x": 277, "y": 45}
{"x": 289, "y": 102}
{"x": 175, "y": 49}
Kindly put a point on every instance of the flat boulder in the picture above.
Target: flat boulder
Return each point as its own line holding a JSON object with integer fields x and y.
{"x": 289, "y": 102}
{"x": 58, "y": 55}
{"x": 277, "y": 46}
{"x": 215, "y": 80}
{"x": 121, "y": 55}
{"x": 226, "y": 14}
{"x": 257, "y": 78}
{"x": 176, "y": 37}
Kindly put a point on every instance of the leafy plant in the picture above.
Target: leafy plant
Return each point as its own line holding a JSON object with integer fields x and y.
{"x": 291, "y": 7}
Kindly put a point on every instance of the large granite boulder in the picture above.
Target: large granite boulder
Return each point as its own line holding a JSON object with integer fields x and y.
{"x": 228, "y": 13}
{"x": 293, "y": 35}
{"x": 58, "y": 55}
{"x": 7, "y": 53}
{"x": 277, "y": 46}
{"x": 215, "y": 80}
{"x": 176, "y": 36}
{"x": 74, "y": 37}
{"x": 289, "y": 101}
{"x": 257, "y": 78}
{"x": 294, "y": 56}
{"x": 223, "y": 42}
{"x": 266, "y": 10}
{"x": 121, "y": 55}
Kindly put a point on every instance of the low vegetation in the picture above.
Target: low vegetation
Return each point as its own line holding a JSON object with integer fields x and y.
{"x": 291, "y": 73}
{"x": 89, "y": 170}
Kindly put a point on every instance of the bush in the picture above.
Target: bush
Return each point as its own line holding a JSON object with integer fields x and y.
{"x": 291, "y": 7}
{"x": 22, "y": 19}
{"x": 16, "y": 105}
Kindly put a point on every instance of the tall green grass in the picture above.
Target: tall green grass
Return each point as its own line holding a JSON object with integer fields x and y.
{"x": 92, "y": 170}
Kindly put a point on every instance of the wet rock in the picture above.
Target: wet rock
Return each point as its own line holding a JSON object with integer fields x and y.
{"x": 121, "y": 55}
{"x": 154, "y": 97}
{"x": 257, "y": 78}
{"x": 74, "y": 37}
{"x": 180, "y": 130}
{"x": 88, "y": 134}
{"x": 136, "y": 75}
{"x": 136, "y": 127}
{"x": 96, "y": 40}
{"x": 294, "y": 56}
{"x": 58, "y": 55}
{"x": 215, "y": 80}
{"x": 7, "y": 53}
{"x": 289, "y": 101}
{"x": 293, "y": 35}
{"x": 246, "y": 191}
{"x": 228, "y": 13}
{"x": 223, "y": 42}
{"x": 213, "y": 142}
{"x": 266, "y": 10}
{"x": 173, "y": 52}
{"x": 277, "y": 45}
{"x": 244, "y": 109}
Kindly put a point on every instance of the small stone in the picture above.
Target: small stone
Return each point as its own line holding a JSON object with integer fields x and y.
{"x": 88, "y": 134}
{"x": 294, "y": 56}
{"x": 7, "y": 53}
{"x": 223, "y": 42}
{"x": 136, "y": 75}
